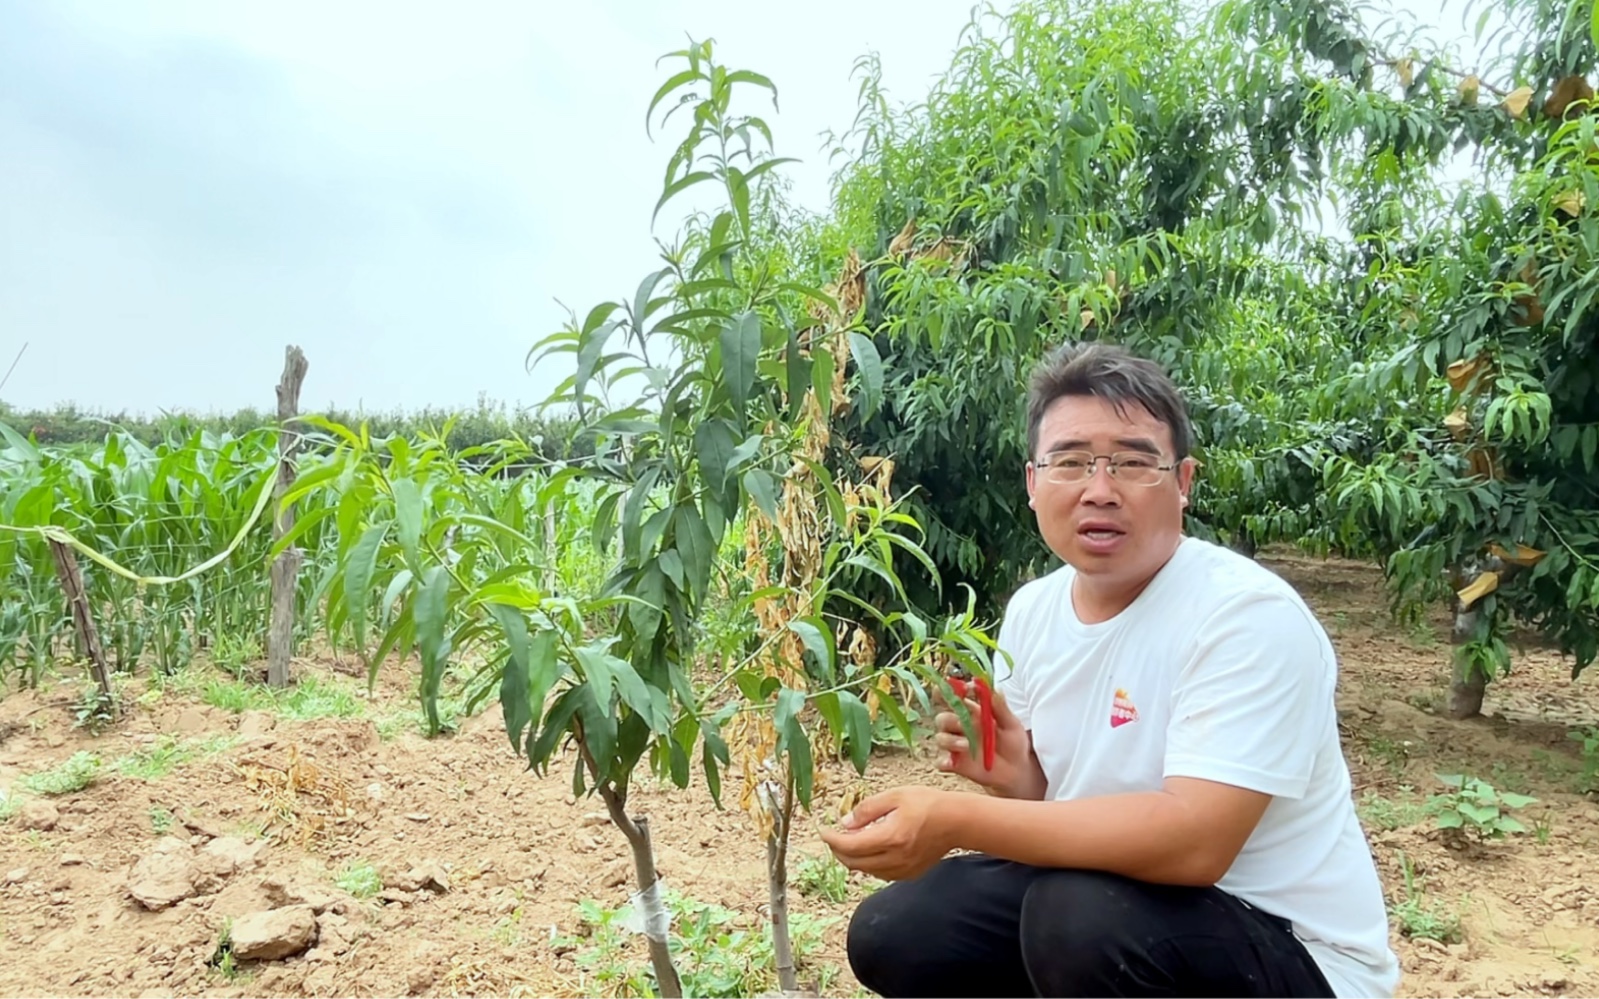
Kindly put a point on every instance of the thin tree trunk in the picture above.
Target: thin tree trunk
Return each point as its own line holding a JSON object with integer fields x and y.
{"x": 83, "y": 621}
{"x": 285, "y": 569}
{"x": 1469, "y": 684}
{"x": 653, "y": 908}
{"x": 777, "y": 843}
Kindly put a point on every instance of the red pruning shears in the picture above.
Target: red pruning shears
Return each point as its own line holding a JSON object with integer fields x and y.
{"x": 985, "y": 711}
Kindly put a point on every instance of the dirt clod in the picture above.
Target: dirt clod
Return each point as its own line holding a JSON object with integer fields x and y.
{"x": 165, "y": 876}
{"x": 273, "y": 934}
{"x": 39, "y": 815}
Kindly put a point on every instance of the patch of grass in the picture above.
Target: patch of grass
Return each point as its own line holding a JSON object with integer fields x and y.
{"x": 508, "y": 931}
{"x": 74, "y": 774}
{"x": 715, "y": 955}
{"x": 1389, "y": 814}
{"x": 1586, "y": 780}
{"x": 9, "y": 803}
{"x": 222, "y": 960}
{"x": 360, "y": 879}
{"x": 161, "y": 820}
{"x": 1419, "y": 917}
{"x": 167, "y": 753}
{"x": 308, "y": 699}
{"x": 822, "y": 876}
{"x": 1394, "y": 754}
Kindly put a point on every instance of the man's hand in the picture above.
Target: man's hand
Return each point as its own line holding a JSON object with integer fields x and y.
{"x": 1016, "y": 772}
{"x": 895, "y": 835}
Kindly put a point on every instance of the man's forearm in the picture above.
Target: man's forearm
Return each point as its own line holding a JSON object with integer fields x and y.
{"x": 1154, "y": 836}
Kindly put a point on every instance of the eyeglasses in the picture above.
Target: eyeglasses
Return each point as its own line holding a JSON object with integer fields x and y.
{"x": 1132, "y": 467}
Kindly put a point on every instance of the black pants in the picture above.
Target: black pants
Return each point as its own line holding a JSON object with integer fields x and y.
{"x": 978, "y": 926}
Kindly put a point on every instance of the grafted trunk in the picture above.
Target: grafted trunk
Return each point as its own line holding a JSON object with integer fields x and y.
{"x": 652, "y": 908}
{"x": 777, "y": 887}
{"x": 1469, "y": 683}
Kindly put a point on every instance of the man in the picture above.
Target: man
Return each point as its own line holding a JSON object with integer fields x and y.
{"x": 1169, "y": 809}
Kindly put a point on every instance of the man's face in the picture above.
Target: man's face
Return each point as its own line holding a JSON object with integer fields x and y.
{"x": 1112, "y": 531}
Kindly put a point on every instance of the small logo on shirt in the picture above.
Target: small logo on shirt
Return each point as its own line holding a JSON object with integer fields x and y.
{"x": 1122, "y": 711}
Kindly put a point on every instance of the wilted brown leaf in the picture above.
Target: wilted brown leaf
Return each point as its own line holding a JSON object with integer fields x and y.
{"x": 901, "y": 244}
{"x": 1571, "y": 202}
{"x": 1407, "y": 71}
{"x": 1516, "y": 101}
{"x": 1479, "y": 588}
{"x": 1567, "y": 92}
{"x": 1525, "y": 557}
{"x": 1458, "y": 424}
{"x": 1469, "y": 88}
{"x": 1460, "y": 373}
{"x": 1484, "y": 463}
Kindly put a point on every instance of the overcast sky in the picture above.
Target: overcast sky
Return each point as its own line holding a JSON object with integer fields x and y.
{"x": 409, "y": 192}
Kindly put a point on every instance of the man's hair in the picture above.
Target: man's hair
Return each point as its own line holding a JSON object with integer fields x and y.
{"x": 1111, "y": 373}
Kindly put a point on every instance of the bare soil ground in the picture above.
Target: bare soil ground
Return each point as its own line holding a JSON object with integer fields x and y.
{"x": 441, "y": 867}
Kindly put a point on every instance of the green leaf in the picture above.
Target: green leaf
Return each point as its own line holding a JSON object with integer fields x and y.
{"x": 713, "y": 750}
{"x": 822, "y": 375}
{"x": 762, "y": 485}
{"x": 358, "y": 570}
{"x": 671, "y": 563}
{"x": 745, "y": 451}
{"x": 598, "y": 670}
{"x": 1477, "y": 813}
{"x": 433, "y": 643}
{"x": 714, "y": 443}
{"x": 741, "y": 346}
{"x": 817, "y": 640}
{"x": 797, "y": 372}
{"x": 650, "y": 603}
{"x": 695, "y": 546}
{"x": 408, "y": 515}
{"x": 599, "y": 729}
{"x": 1513, "y": 800}
{"x": 857, "y": 729}
{"x": 791, "y": 739}
{"x": 556, "y": 724}
{"x": 749, "y": 683}
{"x": 633, "y": 511}
{"x": 516, "y": 682}
{"x": 634, "y": 691}
{"x": 604, "y": 526}
{"x": 870, "y": 365}
{"x": 828, "y": 707}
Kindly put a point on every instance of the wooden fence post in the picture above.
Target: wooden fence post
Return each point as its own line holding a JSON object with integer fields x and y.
{"x": 83, "y": 620}
{"x": 286, "y": 567}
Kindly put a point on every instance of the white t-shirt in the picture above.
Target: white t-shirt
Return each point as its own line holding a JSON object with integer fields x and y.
{"x": 1217, "y": 671}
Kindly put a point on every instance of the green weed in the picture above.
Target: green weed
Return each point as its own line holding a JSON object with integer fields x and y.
{"x": 822, "y": 876}
{"x": 1475, "y": 805}
{"x": 161, "y": 820}
{"x": 73, "y": 775}
{"x": 1418, "y": 917}
{"x": 361, "y": 880}
{"x": 1389, "y": 814}
{"x": 308, "y": 699}
{"x": 169, "y": 752}
{"x": 715, "y": 955}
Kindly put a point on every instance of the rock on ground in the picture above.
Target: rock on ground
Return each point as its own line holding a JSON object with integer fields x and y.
{"x": 38, "y": 814}
{"x": 273, "y": 934}
{"x": 165, "y": 876}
